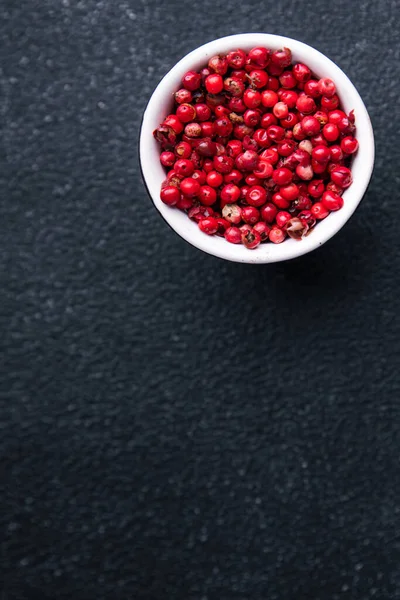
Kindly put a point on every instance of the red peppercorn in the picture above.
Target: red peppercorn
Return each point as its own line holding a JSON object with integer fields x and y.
{"x": 208, "y": 165}
{"x": 190, "y": 187}
{"x": 275, "y": 133}
{"x": 230, "y": 194}
{"x": 277, "y": 235}
{"x": 183, "y": 96}
{"x": 310, "y": 126}
{"x": 270, "y": 154}
{"x": 289, "y": 122}
{"x": 302, "y": 203}
{"x": 281, "y": 58}
{"x": 267, "y": 120}
{"x": 305, "y": 104}
{"x": 273, "y": 83}
{"x": 175, "y": 124}
{"x": 252, "y": 117}
{"x": 349, "y": 145}
{"x": 236, "y": 59}
{"x": 296, "y": 228}
{"x": 247, "y": 161}
{"x": 261, "y": 138}
{"x": 214, "y": 84}
{"x": 223, "y": 163}
{"x": 214, "y": 179}
{"x": 319, "y": 211}
{"x": 256, "y": 196}
{"x": 252, "y": 180}
{"x": 203, "y": 112}
{"x": 306, "y": 216}
{"x": 311, "y": 88}
{"x": 184, "y": 167}
{"x": 280, "y": 201}
{"x": 223, "y": 225}
{"x": 234, "y": 148}
{"x": 258, "y": 78}
{"x": 206, "y": 147}
{"x": 184, "y": 203}
{"x": 209, "y": 225}
{"x": 252, "y": 98}
{"x": 322, "y": 117}
{"x": 235, "y": 176}
{"x": 316, "y": 188}
{"x": 221, "y": 111}
{"x": 207, "y": 195}
{"x": 244, "y": 190}
{"x": 218, "y": 64}
{"x": 305, "y": 172}
{"x": 321, "y": 154}
{"x": 251, "y": 239}
{"x": 326, "y": 87}
{"x": 331, "y": 132}
{"x": 342, "y": 176}
{"x": 191, "y": 80}
{"x": 183, "y": 150}
{"x": 280, "y": 110}
{"x": 332, "y": 201}
{"x": 345, "y": 126}
{"x": 260, "y": 56}
{"x": 193, "y": 130}
{"x": 298, "y": 132}
{"x": 207, "y": 129}
{"x": 287, "y": 80}
{"x": 250, "y": 144}
{"x": 200, "y": 176}
{"x": 166, "y": 136}
{"x": 240, "y": 131}
{"x": 282, "y": 218}
{"x": 185, "y": 113}
{"x": 289, "y": 97}
{"x": 167, "y": 158}
{"x": 262, "y": 229}
{"x": 289, "y": 192}
{"x": 282, "y": 176}
{"x": 234, "y": 86}
{"x": 170, "y": 195}
{"x": 336, "y": 154}
{"x": 318, "y": 167}
{"x": 250, "y": 214}
{"x": 269, "y": 98}
{"x": 319, "y": 140}
{"x": 172, "y": 179}
{"x": 286, "y": 147}
{"x": 269, "y": 212}
{"x": 332, "y": 187}
{"x": 335, "y": 116}
{"x": 199, "y": 212}
{"x": 264, "y": 169}
{"x": 223, "y": 127}
{"x": 233, "y": 235}
{"x": 301, "y": 72}
{"x": 330, "y": 103}
{"x": 232, "y": 213}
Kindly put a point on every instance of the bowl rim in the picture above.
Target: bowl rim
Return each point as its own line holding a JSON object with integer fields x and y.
{"x": 265, "y": 253}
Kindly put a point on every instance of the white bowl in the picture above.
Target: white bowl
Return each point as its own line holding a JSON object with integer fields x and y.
{"x": 161, "y": 103}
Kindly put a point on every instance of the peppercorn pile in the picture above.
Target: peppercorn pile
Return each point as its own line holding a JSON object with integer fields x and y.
{"x": 258, "y": 149}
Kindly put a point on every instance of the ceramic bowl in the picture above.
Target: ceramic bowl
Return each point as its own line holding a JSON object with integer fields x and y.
{"x": 161, "y": 104}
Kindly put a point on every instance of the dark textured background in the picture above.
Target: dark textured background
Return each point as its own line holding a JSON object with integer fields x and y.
{"x": 174, "y": 426}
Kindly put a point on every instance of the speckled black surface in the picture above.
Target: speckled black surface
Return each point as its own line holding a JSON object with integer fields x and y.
{"x": 174, "y": 426}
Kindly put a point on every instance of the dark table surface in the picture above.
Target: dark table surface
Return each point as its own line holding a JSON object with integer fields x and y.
{"x": 174, "y": 426}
